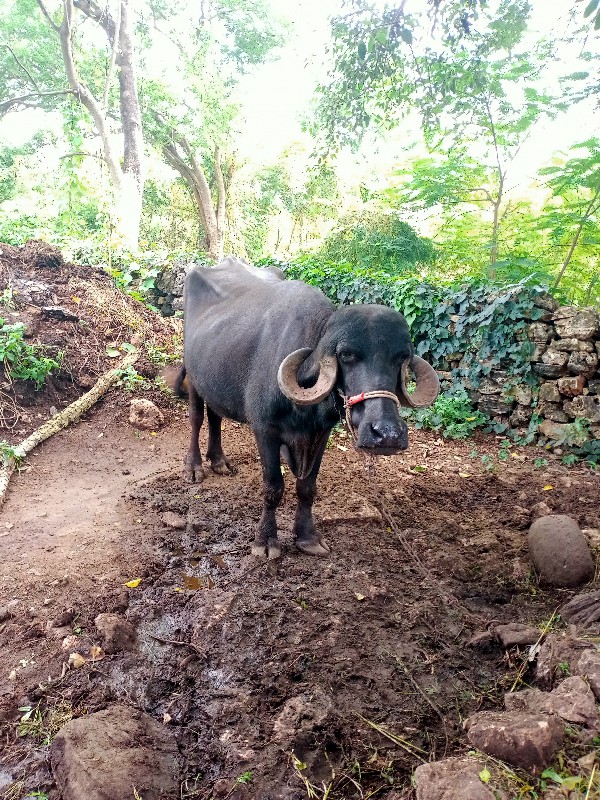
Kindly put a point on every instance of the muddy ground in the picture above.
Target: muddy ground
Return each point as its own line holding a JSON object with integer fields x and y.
{"x": 324, "y": 678}
{"x": 286, "y": 663}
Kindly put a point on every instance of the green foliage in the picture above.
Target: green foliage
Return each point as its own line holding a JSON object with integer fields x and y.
{"x": 376, "y": 240}
{"x": 20, "y": 360}
{"x": 452, "y": 415}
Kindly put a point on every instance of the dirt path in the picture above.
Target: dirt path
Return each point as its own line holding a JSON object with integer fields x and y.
{"x": 290, "y": 663}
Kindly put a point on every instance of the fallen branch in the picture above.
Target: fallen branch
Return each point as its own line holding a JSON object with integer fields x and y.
{"x": 67, "y": 416}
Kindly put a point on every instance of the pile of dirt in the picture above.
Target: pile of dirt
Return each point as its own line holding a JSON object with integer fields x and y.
{"x": 78, "y": 317}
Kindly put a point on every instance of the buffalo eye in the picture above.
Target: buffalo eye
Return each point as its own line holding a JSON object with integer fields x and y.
{"x": 347, "y": 357}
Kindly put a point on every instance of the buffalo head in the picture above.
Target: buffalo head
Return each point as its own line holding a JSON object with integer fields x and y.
{"x": 365, "y": 354}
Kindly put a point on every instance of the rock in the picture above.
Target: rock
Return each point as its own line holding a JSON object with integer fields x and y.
{"x": 553, "y": 412}
{"x": 516, "y": 634}
{"x": 549, "y": 370}
{"x": 540, "y": 509}
{"x": 523, "y": 394}
{"x": 582, "y": 609}
{"x": 488, "y": 386}
{"x": 555, "y": 358}
{"x": 145, "y": 415}
{"x": 572, "y": 701}
{"x": 557, "y": 655}
{"x": 583, "y": 363}
{"x": 65, "y": 618}
{"x": 556, "y": 431}
{"x": 592, "y": 535}
{"x": 116, "y": 632}
{"x": 103, "y": 756}
{"x": 594, "y": 387}
{"x": 173, "y": 520}
{"x": 5, "y": 613}
{"x": 549, "y": 393}
{"x": 521, "y": 739}
{"x": 450, "y": 779}
{"x": 584, "y": 407}
{"x": 573, "y": 345}
{"x": 571, "y": 386}
{"x": 588, "y": 667}
{"x": 559, "y": 551}
{"x": 539, "y": 332}
{"x": 301, "y": 715}
{"x": 494, "y": 406}
{"x": 576, "y": 323}
{"x": 546, "y": 301}
{"x": 520, "y": 416}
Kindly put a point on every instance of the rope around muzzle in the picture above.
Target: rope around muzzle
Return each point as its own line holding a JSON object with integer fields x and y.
{"x": 354, "y": 399}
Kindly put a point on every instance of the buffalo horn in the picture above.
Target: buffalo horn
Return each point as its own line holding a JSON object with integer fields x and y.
{"x": 428, "y": 383}
{"x": 288, "y": 381}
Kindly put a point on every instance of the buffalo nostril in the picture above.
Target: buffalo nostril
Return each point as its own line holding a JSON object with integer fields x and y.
{"x": 382, "y": 433}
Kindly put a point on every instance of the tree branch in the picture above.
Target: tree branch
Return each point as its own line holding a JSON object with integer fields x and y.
{"x": 46, "y": 13}
{"x": 23, "y": 67}
{"x": 113, "y": 58}
{"x": 6, "y": 105}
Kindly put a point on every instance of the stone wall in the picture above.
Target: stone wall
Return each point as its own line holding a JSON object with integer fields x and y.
{"x": 565, "y": 370}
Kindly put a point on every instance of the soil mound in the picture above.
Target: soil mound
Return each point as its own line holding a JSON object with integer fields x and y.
{"x": 75, "y": 315}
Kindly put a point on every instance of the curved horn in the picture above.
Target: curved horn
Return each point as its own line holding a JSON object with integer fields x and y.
{"x": 288, "y": 382}
{"x": 428, "y": 383}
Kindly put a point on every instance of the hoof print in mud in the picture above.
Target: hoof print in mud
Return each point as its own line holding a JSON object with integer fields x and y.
{"x": 112, "y": 752}
{"x": 521, "y": 739}
{"x": 116, "y": 632}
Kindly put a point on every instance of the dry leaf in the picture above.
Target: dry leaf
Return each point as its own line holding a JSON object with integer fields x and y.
{"x": 97, "y": 653}
{"x": 133, "y": 584}
{"x": 75, "y": 299}
{"x": 76, "y": 660}
{"x": 547, "y": 488}
{"x": 463, "y": 475}
{"x": 359, "y": 596}
{"x": 166, "y": 718}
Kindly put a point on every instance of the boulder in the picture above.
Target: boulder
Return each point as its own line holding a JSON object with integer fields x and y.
{"x": 559, "y": 551}
{"x": 520, "y": 416}
{"x": 116, "y": 632}
{"x": 450, "y": 779}
{"x": 550, "y": 370}
{"x": 571, "y": 386}
{"x": 523, "y": 394}
{"x": 540, "y": 332}
{"x": 555, "y": 358}
{"x": 546, "y": 301}
{"x": 573, "y": 345}
{"x": 556, "y": 431}
{"x": 106, "y": 755}
{"x": 572, "y": 322}
{"x": 553, "y": 412}
{"x": 582, "y": 609}
{"x": 146, "y": 416}
{"x": 558, "y": 653}
{"x": 519, "y": 738}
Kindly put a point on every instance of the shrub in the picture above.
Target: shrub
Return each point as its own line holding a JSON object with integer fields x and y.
{"x": 21, "y": 360}
{"x": 452, "y": 415}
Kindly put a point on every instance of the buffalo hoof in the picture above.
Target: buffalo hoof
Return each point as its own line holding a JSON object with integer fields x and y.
{"x": 269, "y": 551}
{"x": 194, "y": 473}
{"x": 312, "y": 547}
{"x": 222, "y": 466}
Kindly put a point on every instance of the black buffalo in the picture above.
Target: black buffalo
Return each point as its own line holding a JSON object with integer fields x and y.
{"x": 277, "y": 355}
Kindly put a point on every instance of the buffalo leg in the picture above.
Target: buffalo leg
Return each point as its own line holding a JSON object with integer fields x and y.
{"x": 193, "y": 460}
{"x": 218, "y": 462}
{"x": 305, "y": 535}
{"x": 266, "y": 542}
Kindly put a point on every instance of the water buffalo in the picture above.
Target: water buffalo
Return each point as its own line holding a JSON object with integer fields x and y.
{"x": 277, "y": 355}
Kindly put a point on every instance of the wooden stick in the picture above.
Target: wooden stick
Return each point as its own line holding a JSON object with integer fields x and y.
{"x": 67, "y": 416}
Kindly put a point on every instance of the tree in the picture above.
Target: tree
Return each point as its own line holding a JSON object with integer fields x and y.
{"x": 35, "y": 76}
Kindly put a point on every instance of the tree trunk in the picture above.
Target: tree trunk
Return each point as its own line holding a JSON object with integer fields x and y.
{"x": 127, "y": 180}
{"x": 179, "y": 154}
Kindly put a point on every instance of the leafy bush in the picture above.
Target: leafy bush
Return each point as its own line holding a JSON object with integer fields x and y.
{"x": 21, "y": 360}
{"x": 452, "y": 415}
{"x": 376, "y": 241}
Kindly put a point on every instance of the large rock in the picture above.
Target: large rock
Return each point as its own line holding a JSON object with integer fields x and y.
{"x": 106, "y": 755}
{"x": 553, "y": 412}
{"x": 572, "y": 322}
{"x": 540, "y": 332}
{"x": 143, "y": 414}
{"x": 451, "y": 779}
{"x": 583, "y": 363}
{"x": 519, "y": 738}
{"x": 559, "y": 652}
{"x": 513, "y": 634}
{"x": 583, "y": 609}
{"x": 549, "y": 392}
{"x": 571, "y": 386}
{"x": 559, "y": 551}
{"x": 573, "y": 345}
{"x": 549, "y": 370}
{"x": 116, "y": 632}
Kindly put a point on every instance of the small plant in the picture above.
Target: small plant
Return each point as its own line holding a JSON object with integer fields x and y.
{"x": 7, "y": 298}
{"x": 570, "y": 460}
{"x": 8, "y": 454}
{"x": 245, "y": 777}
{"x": 539, "y": 463}
{"x": 132, "y": 381}
{"x": 452, "y": 414}
{"x": 23, "y": 361}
